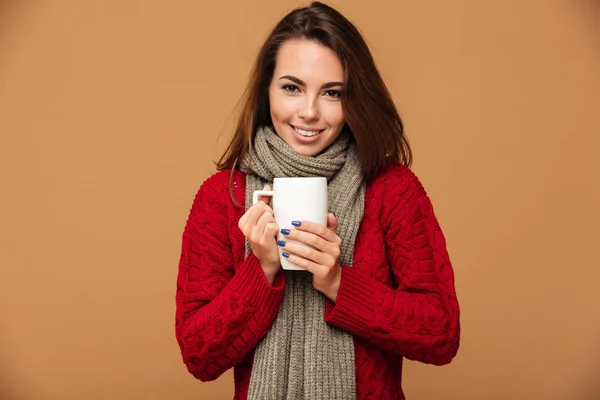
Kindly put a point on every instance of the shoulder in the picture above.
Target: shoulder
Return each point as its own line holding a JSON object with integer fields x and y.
{"x": 217, "y": 186}
{"x": 395, "y": 193}
{"x": 220, "y": 180}
{"x": 396, "y": 179}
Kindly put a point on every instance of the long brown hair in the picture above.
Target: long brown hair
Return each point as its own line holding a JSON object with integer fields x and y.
{"x": 369, "y": 110}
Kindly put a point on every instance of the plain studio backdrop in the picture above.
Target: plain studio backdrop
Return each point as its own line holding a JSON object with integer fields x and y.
{"x": 110, "y": 116}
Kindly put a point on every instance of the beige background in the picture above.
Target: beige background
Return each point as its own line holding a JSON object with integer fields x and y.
{"x": 109, "y": 117}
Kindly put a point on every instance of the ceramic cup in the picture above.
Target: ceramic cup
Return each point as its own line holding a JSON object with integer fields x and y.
{"x": 296, "y": 199}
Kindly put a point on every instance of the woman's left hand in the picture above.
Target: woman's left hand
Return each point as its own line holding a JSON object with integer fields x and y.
{"x": 321, "y": 257}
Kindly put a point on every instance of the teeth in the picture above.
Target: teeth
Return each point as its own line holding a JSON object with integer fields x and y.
{"x": 306, "y": 133}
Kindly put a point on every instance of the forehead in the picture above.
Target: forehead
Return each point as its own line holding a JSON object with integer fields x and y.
{"x": 308, "y": 60}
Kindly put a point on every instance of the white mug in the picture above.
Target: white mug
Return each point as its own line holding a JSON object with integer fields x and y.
{"x": 296, "y": 199}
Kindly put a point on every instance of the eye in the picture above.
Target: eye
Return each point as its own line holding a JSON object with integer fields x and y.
{"x": 333, "y": 93}
{"x": 291, "y": 88}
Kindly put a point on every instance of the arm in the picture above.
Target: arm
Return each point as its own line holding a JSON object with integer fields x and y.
{"x": 220, "y": 315}
{"x": 420, "y": 318}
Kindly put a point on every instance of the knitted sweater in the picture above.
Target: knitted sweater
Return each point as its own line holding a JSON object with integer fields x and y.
{"x": 398, "y": 299}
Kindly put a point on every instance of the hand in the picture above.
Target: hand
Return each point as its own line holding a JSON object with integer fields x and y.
{"x": 259, "y": 227}
{"x": 321, "y": 258}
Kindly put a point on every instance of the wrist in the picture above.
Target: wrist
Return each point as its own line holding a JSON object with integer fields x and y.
{"x": 270, "y": 271}
{"x": 270, "y": 277}
{"x": 331, "y": 289}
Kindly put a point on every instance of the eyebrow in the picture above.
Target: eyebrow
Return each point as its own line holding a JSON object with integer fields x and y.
{"x": 302, "y": 83}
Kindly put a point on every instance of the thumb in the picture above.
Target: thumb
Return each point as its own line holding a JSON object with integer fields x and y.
{"x": 266, "y": 199}
{"x": 332, "y": 222}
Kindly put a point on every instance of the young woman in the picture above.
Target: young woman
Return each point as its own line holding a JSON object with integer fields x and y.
{"x": 378, "y": 286}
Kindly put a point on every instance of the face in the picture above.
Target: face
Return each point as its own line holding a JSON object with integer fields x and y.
{"x": 305, "y": 96}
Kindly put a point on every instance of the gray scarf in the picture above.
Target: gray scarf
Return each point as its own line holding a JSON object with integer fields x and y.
{"x": 303, "y": 357}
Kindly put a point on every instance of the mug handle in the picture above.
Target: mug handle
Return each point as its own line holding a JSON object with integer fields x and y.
{"x": 258, "y": 193}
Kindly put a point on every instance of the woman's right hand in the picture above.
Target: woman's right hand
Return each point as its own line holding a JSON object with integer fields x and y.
{"x": 259, "y": 227}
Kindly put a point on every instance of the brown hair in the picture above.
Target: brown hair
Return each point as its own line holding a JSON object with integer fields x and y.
{"x": 369, "y": 110}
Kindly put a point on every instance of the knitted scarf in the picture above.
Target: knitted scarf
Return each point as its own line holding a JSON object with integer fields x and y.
{"x": 303, "y": 357}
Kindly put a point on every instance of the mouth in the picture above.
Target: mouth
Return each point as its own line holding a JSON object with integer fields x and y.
{"x": 307, "y": 132}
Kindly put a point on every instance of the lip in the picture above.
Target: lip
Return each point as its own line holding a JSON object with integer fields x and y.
{"x": 306, "y": 139}
{"x": 306, "y": 128}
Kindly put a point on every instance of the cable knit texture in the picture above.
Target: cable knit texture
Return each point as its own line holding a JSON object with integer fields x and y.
{"x": 397, "y": 301}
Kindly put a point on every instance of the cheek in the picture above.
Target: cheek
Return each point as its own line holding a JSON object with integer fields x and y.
{"x": 336, "y": 116}
{"x": 280, "y": 108}
{"x": 273, "y": 103}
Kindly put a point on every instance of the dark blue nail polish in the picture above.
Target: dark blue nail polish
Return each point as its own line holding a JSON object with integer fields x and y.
{"x": 281, "y": 243}
{"x": 333, "y": 212}
{"x": 286, "y": 255}
{"x": 285, "y": 231}
{"x": 296, "y": 223}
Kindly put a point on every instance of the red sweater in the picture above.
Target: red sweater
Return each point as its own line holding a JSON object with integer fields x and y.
{"x": 397, "y": 300}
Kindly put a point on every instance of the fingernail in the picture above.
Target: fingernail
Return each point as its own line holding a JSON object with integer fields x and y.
{"x": 286, "y": 255}
{"x": 296, "y": 223}
{"x": 281, "y": 243}
{"x": 333, "y": 212}
{"x": 285, "y": 231}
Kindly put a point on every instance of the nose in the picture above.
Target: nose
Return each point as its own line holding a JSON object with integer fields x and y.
{"x": 309, "y": 110}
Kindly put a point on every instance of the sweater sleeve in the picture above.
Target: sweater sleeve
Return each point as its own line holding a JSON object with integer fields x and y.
{"x": 419, "y": 318}
{"x": 221, "y": 314}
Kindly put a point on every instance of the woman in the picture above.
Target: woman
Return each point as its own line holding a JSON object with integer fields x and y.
{"x": 378, "y": 286}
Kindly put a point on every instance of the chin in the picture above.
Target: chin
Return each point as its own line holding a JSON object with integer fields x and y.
{"x": 303, "y": 151}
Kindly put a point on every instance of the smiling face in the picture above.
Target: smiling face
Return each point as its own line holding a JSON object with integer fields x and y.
{"x": 305, "y": 96}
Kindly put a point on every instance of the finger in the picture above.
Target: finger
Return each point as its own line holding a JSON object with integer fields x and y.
{"x": 317, "y": 229}
{"x": 332, "y": 222}
{"x": 266, "y": 199}
{"x": 306, "y": 252}
{"x": 251, "y": 216}
{"x": 258, "y": 232}
{"x": 303, "y": 263}
{"x": 331, "y": 246}
{"x": 256, "y": 211}
{"x": 242, "y": 221}
{"x": 271, "y": 229}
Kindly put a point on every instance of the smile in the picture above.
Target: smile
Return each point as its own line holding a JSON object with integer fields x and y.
{"x": 308, "y": 133}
